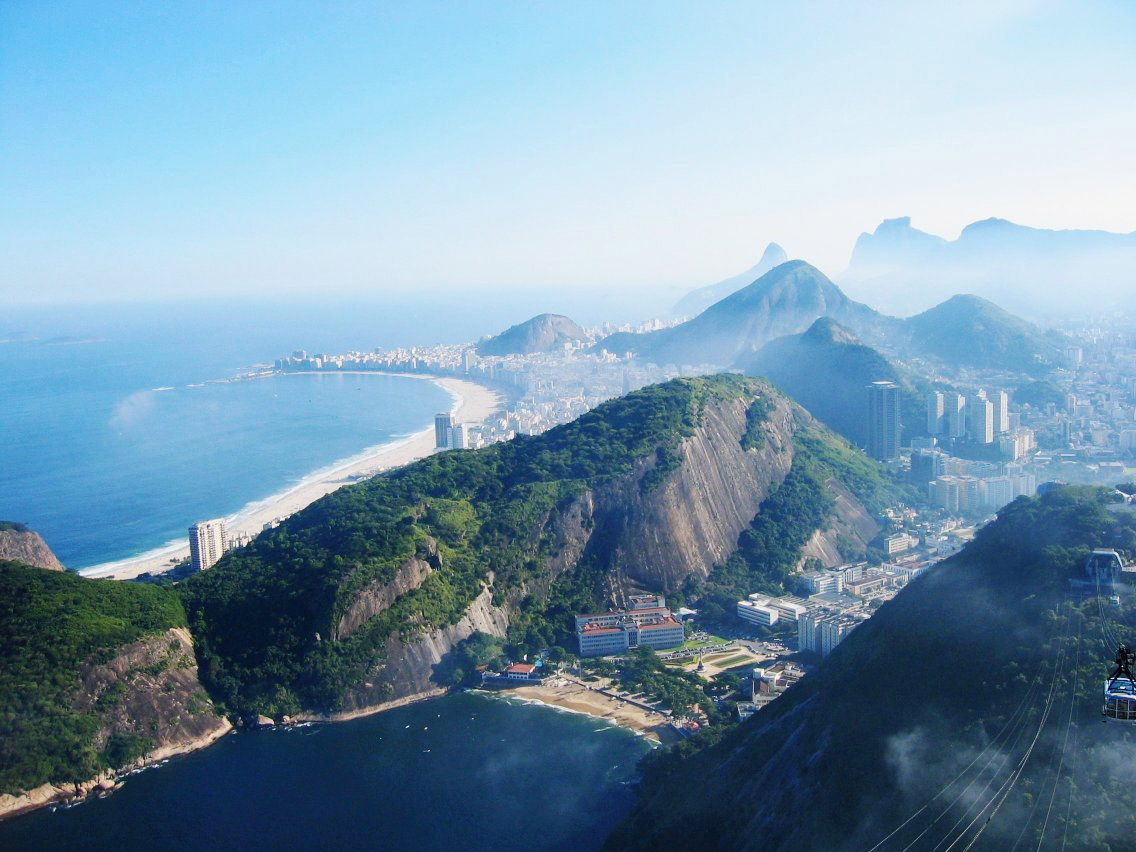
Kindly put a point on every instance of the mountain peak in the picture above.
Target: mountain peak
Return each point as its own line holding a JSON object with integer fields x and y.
{"x": 542, "y": 333}
{"x": 828, "y": 330}
{"x": 697, "y": 301}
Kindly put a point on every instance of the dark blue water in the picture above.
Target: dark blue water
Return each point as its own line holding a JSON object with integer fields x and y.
{"x": 470, "y": 772}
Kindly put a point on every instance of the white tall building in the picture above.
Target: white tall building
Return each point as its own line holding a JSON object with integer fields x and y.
{"x": 206, "y": 543}
{"x": 1001, "y": 403}
{"x": 980, "y": 418}
{"x": 956, "y": 414}
{"x": 936, "y": 413}
{"x": 459, "y": 437}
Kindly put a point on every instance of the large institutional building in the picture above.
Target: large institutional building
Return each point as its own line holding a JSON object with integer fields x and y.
{"x": 647, "y": 623}
{"x": 206, "y": 543}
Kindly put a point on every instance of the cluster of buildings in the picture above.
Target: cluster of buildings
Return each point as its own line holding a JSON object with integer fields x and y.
{"x": 647, "y": 622}
{"x": 768, "y": 682}
{"x": 839, "y": 600}
{"x": 544, "y": 389}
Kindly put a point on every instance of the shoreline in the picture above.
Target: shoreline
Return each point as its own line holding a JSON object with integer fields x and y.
{"x": 566, "y": 695}
{"x": 472, "y": 403}
{"x": 562, "y": 695}
{"x": 68, "y": 795}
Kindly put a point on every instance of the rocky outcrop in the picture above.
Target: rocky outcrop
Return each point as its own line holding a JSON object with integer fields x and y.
{"x": 409, "y": 668}
{"x": 376, "y": 597}
{"x": 692, "y": 520}
{"x": 849, "y": 525}
{"x": 20, "y": 544}
{"x": 148, "y": 689}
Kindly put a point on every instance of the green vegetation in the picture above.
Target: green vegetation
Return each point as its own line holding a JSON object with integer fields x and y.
{"x": 757, "y": 415}
{"x": 50, "y": 624}
{"x": 1040, "y": 394}
{"x": 480, "y": 649}
{"x": 674, "y": 690}
{"x": 970, "y": 331}
{"x": 966, "y": 641}
{"x": 265, "y": 618}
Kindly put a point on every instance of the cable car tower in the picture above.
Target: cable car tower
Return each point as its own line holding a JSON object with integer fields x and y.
{"x": 1120, "y": 688}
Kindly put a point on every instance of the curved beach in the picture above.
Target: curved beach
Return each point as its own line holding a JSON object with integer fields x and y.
{"x": 473, "y": 403}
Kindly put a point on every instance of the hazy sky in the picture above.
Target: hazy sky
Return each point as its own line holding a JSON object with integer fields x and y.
{"x": 197, "y": 148}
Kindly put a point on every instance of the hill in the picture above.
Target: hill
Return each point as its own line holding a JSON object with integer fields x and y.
{"x": 94, "y": 675}
{"x": 1028, "y": 269}
{"x": 20, "y": 544}
{"x": 785, "y": 300}
{"x": 696, "y": 301}
{"x": 972, "y": 332}
{"x": 966, "y": 709}
{"x": 826, "y": 369}
{"x": 542, "y": 333}
{"x": 707, "y": 485}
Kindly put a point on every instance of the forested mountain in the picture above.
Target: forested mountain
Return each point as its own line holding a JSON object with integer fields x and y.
{"x": 94, "y": 674}
{"x": 982, "y": 667}
{"x": 697, "y": 301}
{"x": 965, "y": 331}
{"x": 713, "y": 485}
{"x": 542, "y": 333}
{"x": 971, "y": 332}
{"x": 786, "y": 300}
{"x": 827, "y": 370}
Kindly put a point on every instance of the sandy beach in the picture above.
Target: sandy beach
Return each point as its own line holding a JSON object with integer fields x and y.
{"x": 473, "y": 403}
{"x": 573, "y": 695}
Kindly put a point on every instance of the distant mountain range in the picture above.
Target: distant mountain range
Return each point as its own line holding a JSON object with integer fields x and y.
{"x": 826, "y": 369}
{"x": 697, "y": 301}
{"x": 1033, "y": 270}
{"x": 542, "y": 333}
{"x": 785, "y": 300}
{"x": 909, "y": 733}
{"x": 964, "y": 331}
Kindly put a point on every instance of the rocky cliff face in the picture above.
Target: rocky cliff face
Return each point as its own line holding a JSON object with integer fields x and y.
{"x": 643, "y": 535}
{"x": 150, "y": 706}
{"x": 150, "y": 689}
{"x": 22, "y": 545}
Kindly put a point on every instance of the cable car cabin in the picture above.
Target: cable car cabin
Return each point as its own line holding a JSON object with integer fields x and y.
{"x": 1120, "y": 700}
{"x": 1120, "y": 689}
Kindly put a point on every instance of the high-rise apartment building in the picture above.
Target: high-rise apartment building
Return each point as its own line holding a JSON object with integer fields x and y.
{"x": 883, "y": 420}
{"x": 443, "y": 423}
{"x": 955, "y": 414}
{"x": 980, "y": 418}
{"x": 936, "y": 413}
{"x": 206, "y": 543}
{"x": 459, "y": 437}
{"x": 1001, "y": 402}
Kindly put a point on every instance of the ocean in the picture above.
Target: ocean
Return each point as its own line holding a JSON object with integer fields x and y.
{"x": 463, "y": 772}
{"x": 117, "y": 430}
{"x": 110, "y": 447}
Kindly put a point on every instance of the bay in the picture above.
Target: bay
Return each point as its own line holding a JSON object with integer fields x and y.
{"x": 464, "y": 772}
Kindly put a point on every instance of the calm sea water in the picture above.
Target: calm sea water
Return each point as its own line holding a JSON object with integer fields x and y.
{"x": 464, "y": 772}
{"x": 106, "y": 457}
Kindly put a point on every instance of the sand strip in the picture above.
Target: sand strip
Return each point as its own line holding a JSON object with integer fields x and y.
{"x": 473, "y": 404}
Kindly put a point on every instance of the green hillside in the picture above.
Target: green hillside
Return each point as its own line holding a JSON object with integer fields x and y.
{"x": 827, "y": 370}
{"x": 51, "y": 623}
{"x": 257, "y": 615}
{"x": 970, "y": 331}
{"x": 943, "y": 690}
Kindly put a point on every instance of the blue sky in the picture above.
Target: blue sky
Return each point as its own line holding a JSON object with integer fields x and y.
{"x": 194, "y": 149}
